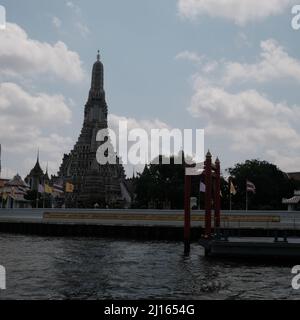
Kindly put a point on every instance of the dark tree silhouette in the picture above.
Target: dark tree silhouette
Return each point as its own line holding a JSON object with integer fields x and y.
{"x": 160, "y": 183}
{"x": 272, "y": 185}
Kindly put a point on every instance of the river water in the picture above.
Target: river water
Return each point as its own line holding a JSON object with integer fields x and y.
{"x": 80, "y": 268}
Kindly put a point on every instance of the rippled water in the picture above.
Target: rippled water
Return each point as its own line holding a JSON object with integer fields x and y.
{"x": 77, "y": 268}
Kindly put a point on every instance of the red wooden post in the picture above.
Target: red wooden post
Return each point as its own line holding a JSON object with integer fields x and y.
{"x": 218, "y": 195}
{"x": 187, "y": 213}
{"x": 208, "y": 194}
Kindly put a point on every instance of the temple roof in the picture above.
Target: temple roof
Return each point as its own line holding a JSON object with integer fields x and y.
{"x": 37, "y": 170}
{"x": 46, "y": 176}
{"x": 17, "y": 181}
{"x": 294, "y": 200}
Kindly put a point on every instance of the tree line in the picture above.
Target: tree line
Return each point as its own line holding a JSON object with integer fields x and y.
{"x": 162, "y": 186}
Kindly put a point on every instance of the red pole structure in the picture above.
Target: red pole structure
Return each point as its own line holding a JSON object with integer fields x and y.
{"x": 218, "y": 195}
{"x": 187, "y": 214}
{"x": 208, "y": 194}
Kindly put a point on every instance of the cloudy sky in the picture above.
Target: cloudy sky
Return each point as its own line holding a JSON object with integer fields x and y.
{"x": 231, "y": 67}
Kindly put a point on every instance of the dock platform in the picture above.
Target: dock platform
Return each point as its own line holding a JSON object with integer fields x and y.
{"x": 253, "y": 248}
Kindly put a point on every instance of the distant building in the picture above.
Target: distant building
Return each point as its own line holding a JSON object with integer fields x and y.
{"x": 13, "y": 192}
{"x": 293, "y": 203}
{"x": 130, "y": 190}
{"x": 103, "y": 185}
{"x": 294, "y": 175}
{"x": 37, "y": 176}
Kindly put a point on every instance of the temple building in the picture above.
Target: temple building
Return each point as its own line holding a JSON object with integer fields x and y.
{"x": 294, "y": 202}
{"x": 37, "y": 177}
{"x": 94, "y": 184}
{"x": 12, "y": 194}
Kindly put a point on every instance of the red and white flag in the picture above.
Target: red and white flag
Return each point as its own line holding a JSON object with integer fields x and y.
{"x": 250, "y": 187}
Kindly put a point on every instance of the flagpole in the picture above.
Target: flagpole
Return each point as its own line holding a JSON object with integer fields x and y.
{"x": 37, "y": 200}
{"x": 199, "y": 201}
{"x": 230, "y": 203}
{"x": 246, "y": 199}
{"x": 44, "y": 200}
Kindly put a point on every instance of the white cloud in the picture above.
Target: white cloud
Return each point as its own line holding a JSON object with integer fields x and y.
{"x": 275, "y": 64}
{"x": 205, "y": 64}
{"x": 83, "y": 29}
{"x": 132, "y": 124}
{"x": 79, "y": 24}
{"x": 18, "y": 105}
{"x": 239, "y": 11}
{"x": 25, "y": 119}
{"x": 74, "y": 7}
{"x": 7, "y": 173}
{"x": 250, "y": 123}
{"x": 20, "y": 55}
{"x": 57, "y": 23}
{"x": 247, "y": 120}
{"x": 290, "y": 161}
{"x": 190, "y": 56}
{"x": 242, "y": 40}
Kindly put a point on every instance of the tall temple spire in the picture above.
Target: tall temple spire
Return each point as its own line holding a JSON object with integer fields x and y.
{"x": 97, "y": 78}
{"x": 37, "y": 170}
{"x": 46, "y": 177}
{"x": 93, "y": 183}
{"x": 38, "y": 156}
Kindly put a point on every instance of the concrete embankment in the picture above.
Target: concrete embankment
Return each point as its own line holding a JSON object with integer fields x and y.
{"x": 143, "y": 224}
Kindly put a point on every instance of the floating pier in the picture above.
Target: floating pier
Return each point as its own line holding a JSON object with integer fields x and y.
{"x": 253, "y": 248}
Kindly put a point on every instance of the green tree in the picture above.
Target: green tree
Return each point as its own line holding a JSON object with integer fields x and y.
{"x": 161, "y": 183}
{"x": 272, "y": 185}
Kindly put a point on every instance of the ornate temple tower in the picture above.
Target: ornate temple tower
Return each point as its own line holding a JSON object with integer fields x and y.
{"x": 94, "y": 183}
{"x": 36, "y": 176}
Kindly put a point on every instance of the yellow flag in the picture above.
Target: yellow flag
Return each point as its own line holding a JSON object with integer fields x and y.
{"x": 69, "y": 187}
{"x": 232, "y": 189}
{"x": 48, "y": 189}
